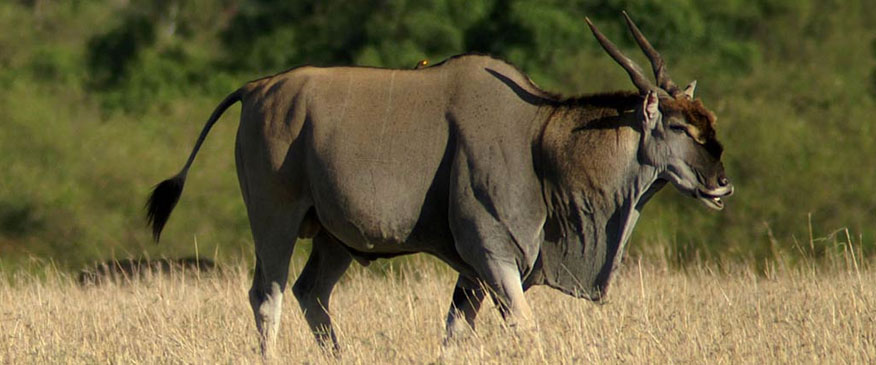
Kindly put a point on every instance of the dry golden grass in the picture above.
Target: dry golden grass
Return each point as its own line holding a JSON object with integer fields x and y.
{"x": 653, "y": 315}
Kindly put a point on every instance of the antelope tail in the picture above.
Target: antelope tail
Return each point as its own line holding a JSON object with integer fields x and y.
{"x": 166, "y": 194}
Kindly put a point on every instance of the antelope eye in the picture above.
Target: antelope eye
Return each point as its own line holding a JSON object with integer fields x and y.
{"x": 678, "y": 128}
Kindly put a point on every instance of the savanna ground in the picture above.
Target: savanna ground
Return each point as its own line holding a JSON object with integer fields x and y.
{"x": 653, "y": 314}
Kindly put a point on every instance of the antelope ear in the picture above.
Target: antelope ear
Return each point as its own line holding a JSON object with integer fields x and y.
{"x": 689, "y": 90}
{"x": 651, "y": 111}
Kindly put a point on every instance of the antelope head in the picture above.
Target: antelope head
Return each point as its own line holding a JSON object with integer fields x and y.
{"x": 678, "y": 131}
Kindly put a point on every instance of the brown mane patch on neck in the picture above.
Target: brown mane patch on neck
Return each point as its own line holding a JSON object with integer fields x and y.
{"x": 615, "y": 100}
{"x": 600, "y": 110}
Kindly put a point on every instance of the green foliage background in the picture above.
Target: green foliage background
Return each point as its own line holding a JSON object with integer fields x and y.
{"x": 101, "y": 99}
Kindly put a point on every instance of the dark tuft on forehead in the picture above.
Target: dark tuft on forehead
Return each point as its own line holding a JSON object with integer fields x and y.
{"x": 694, "y": 112}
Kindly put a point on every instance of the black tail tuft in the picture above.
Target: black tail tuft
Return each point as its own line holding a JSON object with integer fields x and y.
{"x": 162, "y": 201}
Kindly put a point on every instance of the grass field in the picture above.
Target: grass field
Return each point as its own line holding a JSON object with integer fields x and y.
{"x": 652, "y": 315}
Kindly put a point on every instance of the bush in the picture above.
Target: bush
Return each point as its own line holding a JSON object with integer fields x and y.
{"x": 102, "y": 99}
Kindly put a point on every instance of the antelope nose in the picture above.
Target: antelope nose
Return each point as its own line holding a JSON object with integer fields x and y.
{"x": 723, "y": 181}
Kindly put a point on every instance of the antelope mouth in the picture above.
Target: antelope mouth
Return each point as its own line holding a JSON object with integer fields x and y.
{"x": 713, "y": 198}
